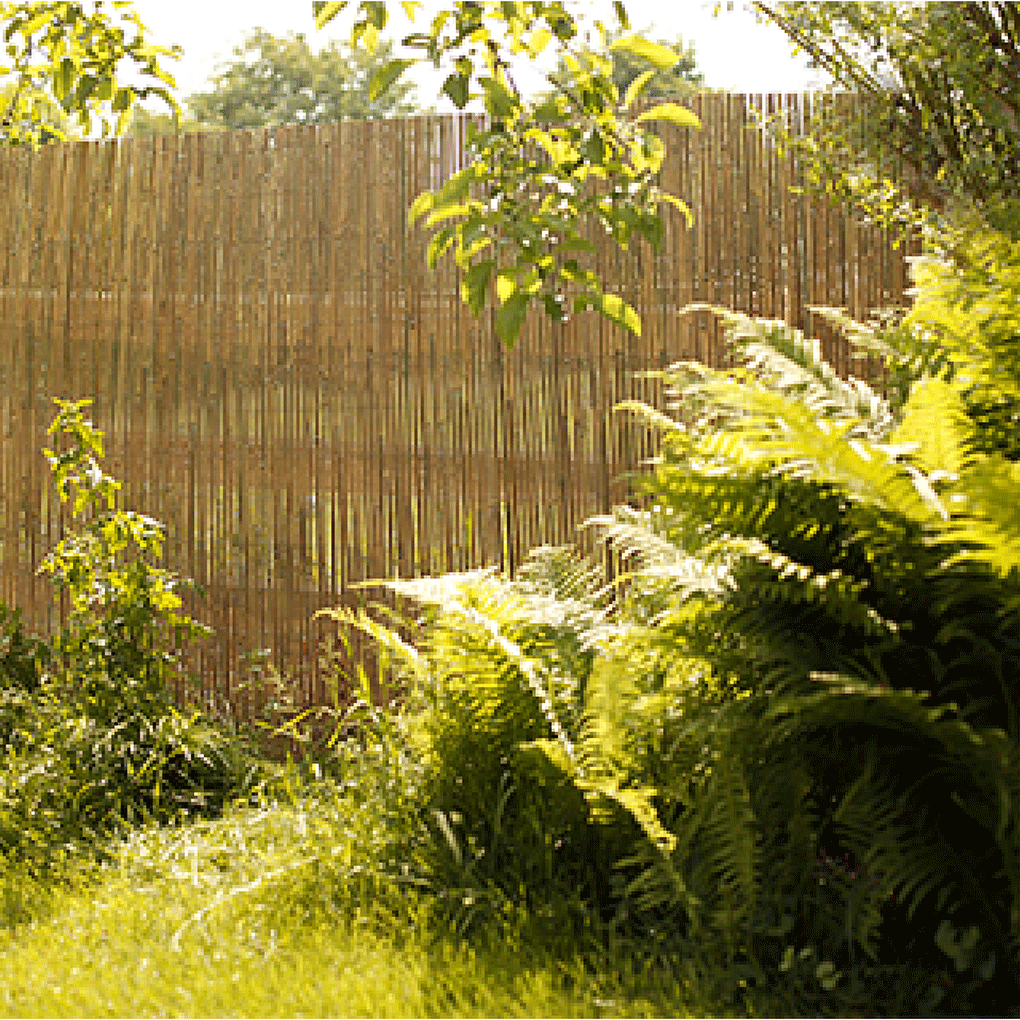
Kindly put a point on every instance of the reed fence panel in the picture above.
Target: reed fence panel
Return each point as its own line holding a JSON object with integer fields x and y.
{"x": 286, "y": 387}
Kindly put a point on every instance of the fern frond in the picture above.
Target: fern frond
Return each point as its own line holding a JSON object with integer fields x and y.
{"x": 974, "y": 321}
{"x": 805, "y": 446}
{"x": 727, "y": 858}
{"x": 798, "y": 583}
{"x": 598, "y": 783}
{"x": 438, "y": 591}
{"x": 643, "y": 542}
{"x": 907, "y": 354}
{"x": 559, "y": 573}
{"x": 652, "y": 416}
{"x": 388, "y": 639}
{"x": 532, "y": 669}
{"x": 989, "y": 511}
{"x": 844, "y": 701}
{"x": 935, "y": 424}
{"x": 717, "y": 451}
{"x": 782, "y": 359}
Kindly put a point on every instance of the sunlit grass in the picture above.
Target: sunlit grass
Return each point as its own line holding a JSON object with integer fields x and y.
{"x": 275, "y": 913}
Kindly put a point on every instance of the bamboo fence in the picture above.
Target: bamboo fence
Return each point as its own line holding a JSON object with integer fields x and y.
{"x": 304, "y": 405}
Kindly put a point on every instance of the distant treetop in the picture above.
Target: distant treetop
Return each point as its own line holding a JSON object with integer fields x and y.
{"x": 276, "y": 81}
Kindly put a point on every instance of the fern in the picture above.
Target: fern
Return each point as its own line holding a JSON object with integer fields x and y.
{"x": 790, "y": 721}
{"x": 846, "y": 531}
{"x": 784, "y": 360}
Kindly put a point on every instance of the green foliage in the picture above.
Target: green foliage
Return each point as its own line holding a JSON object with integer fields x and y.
{"x": 937, "y": 123}
{"x": 92, "y": 740}
{"x": 124, "y": 611}
{"x": 81, "y": 56}
{"x": 47, "y": 116}
{"x": 502, "y": 678}
{"x": 869, "y": 613}
{"x": 540, "y": 170}
{"x": 23, "y": 658}
{"x": 276, "y": 81}
{"x": 787, "y": 733}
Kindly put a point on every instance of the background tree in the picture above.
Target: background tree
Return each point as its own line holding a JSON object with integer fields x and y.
{"x": 59, "y": 54}
{"x": 936, "y": 85}
{"x": 145, "y": 123}
{"x": 276, "y": 81}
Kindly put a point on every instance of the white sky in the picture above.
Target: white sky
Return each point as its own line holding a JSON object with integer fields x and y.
{"x": 731, "y": 50}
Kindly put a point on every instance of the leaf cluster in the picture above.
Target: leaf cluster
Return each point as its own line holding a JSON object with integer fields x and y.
{"x": 681, "y": 81}
{"x": 80, "y": 57}
{"x": 539, "y": 170}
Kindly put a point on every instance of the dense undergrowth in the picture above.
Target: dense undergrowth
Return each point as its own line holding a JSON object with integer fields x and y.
{"x": 771, "y": 769}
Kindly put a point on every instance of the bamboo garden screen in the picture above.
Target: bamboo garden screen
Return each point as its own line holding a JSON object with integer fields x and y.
{"x": 285, "y": 385}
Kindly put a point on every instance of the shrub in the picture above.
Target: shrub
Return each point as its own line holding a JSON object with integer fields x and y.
{"x": 789, "y": 742}
{"x": 93, "y": 739}
{"x": 856, "y": 801}
{"x": 502, "y": 672}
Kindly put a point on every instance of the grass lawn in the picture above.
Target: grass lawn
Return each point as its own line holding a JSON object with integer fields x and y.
{"x": 268, "y": 913}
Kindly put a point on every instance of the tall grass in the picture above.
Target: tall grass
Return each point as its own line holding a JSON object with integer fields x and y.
{"x": 281, "y": 911}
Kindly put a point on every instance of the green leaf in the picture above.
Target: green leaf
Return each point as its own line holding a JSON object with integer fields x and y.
{"x": 86, "y": 86}
{"x": 621, "y": 15}
{"x": 594, "y": 148}
{"x": 456, "y": 87}
{"x": 553, "y": 308}
{"x": 500, "y": 102}
{"x": 375, "y": 13}
{"x": 935, "y": 419}
{"x": 672, "y": 113}
{"x": 614, "y": 307}
{"x": 444, "y": 212}
{"x": 636, "y": 86}
{"x": 539, "y": 40}
{"x": 549, "y": 112}
{"x": 650, "y": 227}
{"x": 661, "y": 56}
{"x": 506, "y": 285}
{"x": 472, "y": 241}
{"x": 475, "y": 285}
{"x": 124, "y": 99}
{"x": 456, "y": 189}
{"x": 386, "y": 76}
{"x": 33, "y": 25}
{"x": 510, "y": 318}
{"x": 439, "y": 245}
{"x": 63, "y": 78}
{"x": 681, "y": 205}
{"x": 326, "y": 10}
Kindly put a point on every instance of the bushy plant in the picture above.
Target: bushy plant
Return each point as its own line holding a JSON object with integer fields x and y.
{"x": 797, "y": 710}
{"x": 492, "y": 699}
{"x": 857, "y": 798}
{"x": 93, "y": 740}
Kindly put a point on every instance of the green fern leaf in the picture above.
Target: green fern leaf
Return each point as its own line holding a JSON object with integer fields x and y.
{"x": 935, "y": 420}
